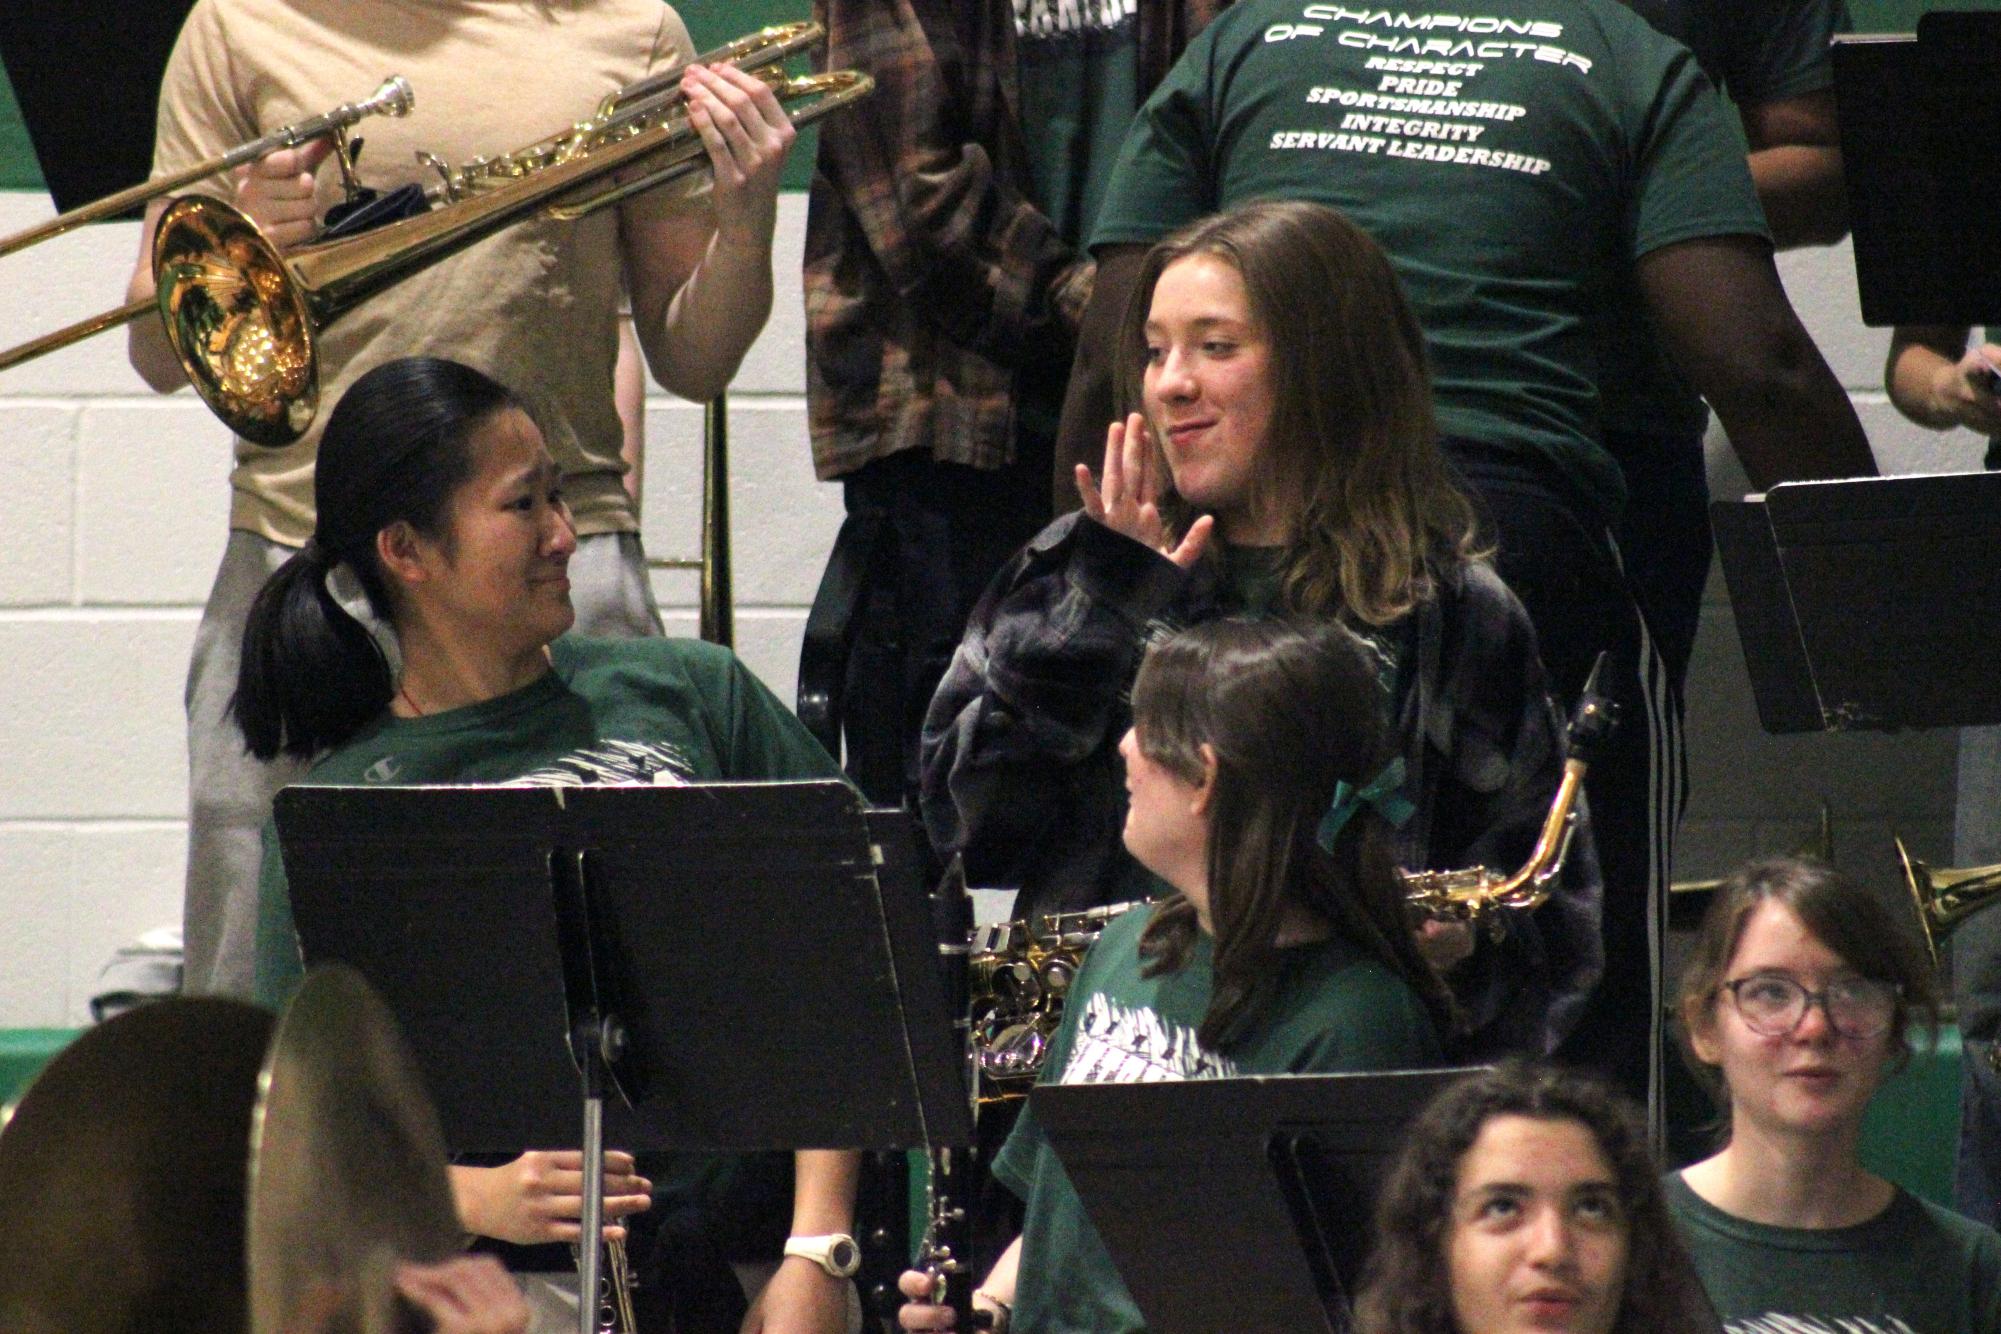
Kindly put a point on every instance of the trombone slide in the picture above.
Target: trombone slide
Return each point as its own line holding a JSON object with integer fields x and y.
{"x": 392, "y": 98}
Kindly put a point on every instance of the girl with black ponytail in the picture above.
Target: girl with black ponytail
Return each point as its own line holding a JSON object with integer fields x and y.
{"x": 1263, "y": 788}
{"x": 395, "y": 451}
{"x": 438, "y": 500}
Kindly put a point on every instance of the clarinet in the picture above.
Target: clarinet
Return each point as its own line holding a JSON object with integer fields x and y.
{"x": 945, "y": 1253}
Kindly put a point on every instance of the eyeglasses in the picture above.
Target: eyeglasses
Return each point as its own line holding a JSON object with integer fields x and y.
{"x": 1773, "y": 1005}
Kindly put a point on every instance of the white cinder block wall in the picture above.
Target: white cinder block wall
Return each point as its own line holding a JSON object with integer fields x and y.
{"x": 113, "y": 514}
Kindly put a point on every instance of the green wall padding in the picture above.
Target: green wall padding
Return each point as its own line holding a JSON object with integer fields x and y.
{"x": 18, "y": 170}
{"x": 23, "y": 1053}
{"x": 712, "y": 22}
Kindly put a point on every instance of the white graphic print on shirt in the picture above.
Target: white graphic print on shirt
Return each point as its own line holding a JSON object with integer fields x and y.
{"x": 1131, "y": 1044}
{"x": 1048, "y": 18}
{"x": 654, "y": 762}
{"x": 1793, "y": 1324}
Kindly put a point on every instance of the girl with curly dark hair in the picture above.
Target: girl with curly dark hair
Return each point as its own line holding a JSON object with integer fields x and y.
{"x": 1527, "y": 1198}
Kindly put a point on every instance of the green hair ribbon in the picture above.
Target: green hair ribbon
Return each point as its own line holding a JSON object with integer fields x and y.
{"x": 1384, "y": 792}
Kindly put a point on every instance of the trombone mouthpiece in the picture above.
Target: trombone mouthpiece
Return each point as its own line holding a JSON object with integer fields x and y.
{"x": 394, "y": 98}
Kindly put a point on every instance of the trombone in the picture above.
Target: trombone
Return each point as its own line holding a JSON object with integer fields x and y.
{"x": 1945, "y": 896}
{"x": 621, "y": 112}
{"x": 243, "y": 319}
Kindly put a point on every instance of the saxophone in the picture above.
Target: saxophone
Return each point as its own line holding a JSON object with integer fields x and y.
{"x": 1020, "y": 972}
{"x": 1471, "y": 894}
{"x": 1020, "y": 975}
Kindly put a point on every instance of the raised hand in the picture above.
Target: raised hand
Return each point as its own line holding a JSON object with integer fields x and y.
{"x": 1127, "y": 500}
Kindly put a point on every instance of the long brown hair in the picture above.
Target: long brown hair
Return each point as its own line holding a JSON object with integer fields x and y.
{"x": 1353, "y": 447}
{"x": 1289, "y": 712}
{"x": 1406, "y": 1287}
{"x": 1843, "y": 915}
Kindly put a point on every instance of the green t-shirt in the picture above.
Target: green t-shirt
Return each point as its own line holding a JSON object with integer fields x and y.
{"x": 1513, "y": 161}
{"x": 1076, "y": 70}
{"x": 1337, "y": 1010}
{"x": 610, "y": 711}
{"x": 1913, "y": 1269}
{"x": 1077, "y": 77}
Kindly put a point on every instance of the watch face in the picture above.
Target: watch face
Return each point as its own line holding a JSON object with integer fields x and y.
{"x": 844, "y": 1256}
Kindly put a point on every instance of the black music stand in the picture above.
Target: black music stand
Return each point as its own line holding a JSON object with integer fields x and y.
{"x": 1195, "y": 1185}
{"x": 1920, "y": 116}
{"x": 697, "y": 955}
{"x": 1870, "y": 604}
{"x": 87, "y": 77}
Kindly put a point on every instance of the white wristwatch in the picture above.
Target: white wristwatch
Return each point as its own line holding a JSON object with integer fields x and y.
{"x": 836, "y": 1252}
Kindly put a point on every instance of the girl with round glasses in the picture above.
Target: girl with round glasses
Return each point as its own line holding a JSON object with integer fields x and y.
{"x": 1799, "y": 997}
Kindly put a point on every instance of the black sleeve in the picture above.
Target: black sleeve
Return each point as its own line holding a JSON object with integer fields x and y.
{"x": 1020, "y": 771}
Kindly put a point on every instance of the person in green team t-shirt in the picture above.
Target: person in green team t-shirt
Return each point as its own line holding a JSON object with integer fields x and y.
{"x": 1256, "y": 764}
{"x": 1798, "y": 997}
{"x": 436, "y": 495}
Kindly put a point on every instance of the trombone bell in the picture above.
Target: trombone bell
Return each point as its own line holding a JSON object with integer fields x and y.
{"x": 1946, "y": 897}
{"x": 237, "y": 319}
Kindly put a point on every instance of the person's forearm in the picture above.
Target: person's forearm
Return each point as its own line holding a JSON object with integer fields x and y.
{"x": 147, "y": 348}
{"x": 469, "y": 1197}
{"x": 823, "y": 1191}
{"x": 1724, "y": 314}
{"x": 1927, "y": 373}
{"x": 1798, "y": 427}
{"x": 1001, "y": 1281}
{"x": 695, "y": 344}
{"x": 628, "y": 391}
{"x": 1913, "y": 383}
{"x": 146, "y": 337}
{"x": 1801, "y": 190}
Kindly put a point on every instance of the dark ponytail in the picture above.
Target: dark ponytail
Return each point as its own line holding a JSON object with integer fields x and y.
{"x": 395, "y": 450}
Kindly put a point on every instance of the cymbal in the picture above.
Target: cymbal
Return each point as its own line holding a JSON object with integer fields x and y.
{"x": 347, "y": 1163}
{"x": 123, "y": 1176}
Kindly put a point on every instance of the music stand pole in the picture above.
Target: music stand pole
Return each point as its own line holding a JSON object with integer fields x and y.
{"x": 590, "y": 1245}
{"x": 596, "y": 1039}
